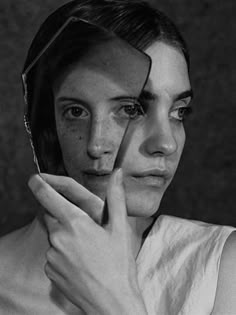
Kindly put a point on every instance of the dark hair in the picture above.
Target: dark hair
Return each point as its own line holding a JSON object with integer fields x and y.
{"x": 132, "y": 20}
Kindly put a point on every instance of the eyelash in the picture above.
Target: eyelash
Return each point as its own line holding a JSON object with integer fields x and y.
{"x": 134, "y": 106}
{"x": 68, "y": 112}
{"x": 140, "y": 111}
{"x": 187, "y": 110}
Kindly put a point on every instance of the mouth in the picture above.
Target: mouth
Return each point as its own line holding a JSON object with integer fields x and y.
{"x": 156, "y": 178}
{"x": 155, "y": 181}
{"x": 97, "y": 176}
{"x": 94, "y": 172}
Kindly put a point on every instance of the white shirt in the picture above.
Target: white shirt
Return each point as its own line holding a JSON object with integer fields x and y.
{"x": 178, "y": 267}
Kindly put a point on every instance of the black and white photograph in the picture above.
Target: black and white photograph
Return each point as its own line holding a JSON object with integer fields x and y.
{"x": 117, "y": 175}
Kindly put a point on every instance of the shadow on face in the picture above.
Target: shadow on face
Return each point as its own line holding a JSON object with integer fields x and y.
{"x": 92, "y": 112}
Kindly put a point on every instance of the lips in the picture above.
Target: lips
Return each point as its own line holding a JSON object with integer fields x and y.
{"x": 94, "y": 172}
{"x": 154, "y": 177}
{"x": 96, "y": 179}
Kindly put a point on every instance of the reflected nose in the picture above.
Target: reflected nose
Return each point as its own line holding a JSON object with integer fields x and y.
{"x": 161, "y": 138}
{"x": 100, "y": 139}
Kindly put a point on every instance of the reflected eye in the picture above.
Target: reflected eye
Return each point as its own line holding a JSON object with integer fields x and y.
{"x": 181, "y": 113}
{"x": 74, "y": 112}
{"x": 131, "y": 111}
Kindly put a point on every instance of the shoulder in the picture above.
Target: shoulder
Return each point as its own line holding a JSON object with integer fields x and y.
{"x": 225, "y": 302}
{"x": 8, "y": 240}
{"x": 10, "y": 250}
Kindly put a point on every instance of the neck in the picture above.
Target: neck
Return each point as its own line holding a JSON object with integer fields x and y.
{"x": 138, "y": 225}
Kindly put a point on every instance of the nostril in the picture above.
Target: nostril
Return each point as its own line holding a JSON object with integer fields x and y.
{"x": 160, "y": 144}
{"x": 96, "y": 150}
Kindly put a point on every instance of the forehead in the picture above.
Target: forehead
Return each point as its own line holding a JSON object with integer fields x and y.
{"x": 169, "y": 75}
{"x": 111, "y": 65}
{"x": 89, "y": 83}
{"x": 169, "y": 70}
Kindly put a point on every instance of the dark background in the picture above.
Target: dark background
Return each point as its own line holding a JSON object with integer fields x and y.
{"x": 204, "y": 187}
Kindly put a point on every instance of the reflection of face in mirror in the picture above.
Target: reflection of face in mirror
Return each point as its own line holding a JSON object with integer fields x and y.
{"x": 92, "y": 112}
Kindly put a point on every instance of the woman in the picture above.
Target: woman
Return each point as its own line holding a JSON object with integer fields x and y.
{"x": 83, "y": 257}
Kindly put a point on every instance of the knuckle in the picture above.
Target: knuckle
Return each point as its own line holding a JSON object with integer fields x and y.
{"x": 98, "y": 216}
{"x": 46, "y": 268}
{"x": 48, "y": 271}
{"x": 74, "y": 222}
{"x": 54, "y": 240}
{"x": 65, "y": 185}
{"x": 50, "y": 255}
{"x": 68, "y": 182}
{"x": 94, "y": 207}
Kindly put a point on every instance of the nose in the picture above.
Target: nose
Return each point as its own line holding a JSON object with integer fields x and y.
{"x": 100, "y": 139}
{"x": 160, "y": 138}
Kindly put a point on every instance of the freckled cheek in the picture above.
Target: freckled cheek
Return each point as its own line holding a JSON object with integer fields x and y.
{"x": 73, "y": 141}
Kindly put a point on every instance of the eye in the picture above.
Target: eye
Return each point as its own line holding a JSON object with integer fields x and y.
{"x": 131, "y": 111}
{"x": 76, "y": 111}
{"x": 181, "y": 113}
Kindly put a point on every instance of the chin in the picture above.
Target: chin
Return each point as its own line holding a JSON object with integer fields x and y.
{"x": 143, "y": 205}
{"x": 140, "y": 201}
{"x": 101, "y": 193}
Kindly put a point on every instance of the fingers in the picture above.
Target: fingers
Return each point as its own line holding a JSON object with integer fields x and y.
{"x": 116, "y": 201}
{"x": 52, "y": 223}
{"x": 53, "y": 273}
{"x": 77, "y": 194}
{"x": 59, "y": 207}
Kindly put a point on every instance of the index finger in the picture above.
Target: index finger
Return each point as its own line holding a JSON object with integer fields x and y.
{"x": 77, "y": 194}
{"x": 58, "y": 206}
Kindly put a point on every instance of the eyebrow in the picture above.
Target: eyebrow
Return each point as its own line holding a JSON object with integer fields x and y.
{"x": 185, "y": 94}
{"x": 62, "y": 99}
{"x": 83, "y": 102}
{"x": 125, "y": 98}
{"x": 149, "y": 96}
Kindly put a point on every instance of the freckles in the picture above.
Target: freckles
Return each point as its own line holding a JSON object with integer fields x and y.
{"x": 71, "y": 137}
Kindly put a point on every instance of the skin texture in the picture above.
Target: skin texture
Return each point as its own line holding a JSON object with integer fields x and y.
{"x": 82, "y": 252}
{"x": 85, "y": 258}
{"x": 91, "y": 139}
{"x": 90, "y": 127}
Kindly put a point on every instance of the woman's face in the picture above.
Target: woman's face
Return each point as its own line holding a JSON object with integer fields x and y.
{"x": 92, "y": 113}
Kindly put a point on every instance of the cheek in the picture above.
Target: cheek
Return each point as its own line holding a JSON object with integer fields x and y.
{"x": 73, "y": 142}
{"x": 174, "y": 159}
{"x": 180, "y": 139}
{"x": 132, "y": 147}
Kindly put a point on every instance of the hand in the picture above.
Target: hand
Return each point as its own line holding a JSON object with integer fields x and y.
{"x": 91, "y": 264}
{"x": 77, "y": 194}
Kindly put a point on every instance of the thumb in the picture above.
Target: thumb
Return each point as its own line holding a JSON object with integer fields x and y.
{"x": 116, "y": 201}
